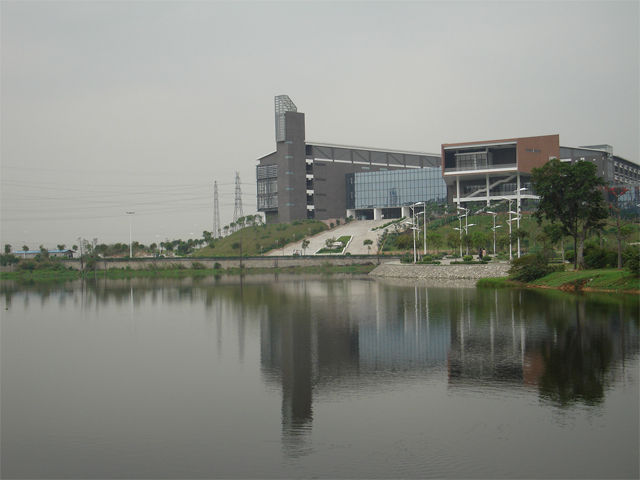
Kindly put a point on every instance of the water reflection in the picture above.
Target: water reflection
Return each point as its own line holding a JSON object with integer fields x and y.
{"x": 343, "y": 336}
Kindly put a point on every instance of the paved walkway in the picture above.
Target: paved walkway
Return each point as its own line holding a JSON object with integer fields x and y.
{"x": 359, "y": 230}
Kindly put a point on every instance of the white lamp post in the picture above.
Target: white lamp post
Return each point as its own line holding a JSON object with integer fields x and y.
{"x": 130, "y": 242}
{"x": 466, "y": 226}
{"x": 414, "y": 227}
{"x": 494, "y": 230}
{"x": 424, "y": 220}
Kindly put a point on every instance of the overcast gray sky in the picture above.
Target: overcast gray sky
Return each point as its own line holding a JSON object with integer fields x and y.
{"x": 116, "y": 106}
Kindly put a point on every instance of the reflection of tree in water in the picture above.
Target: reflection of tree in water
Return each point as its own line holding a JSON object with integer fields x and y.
{"x": 577, "y": 362}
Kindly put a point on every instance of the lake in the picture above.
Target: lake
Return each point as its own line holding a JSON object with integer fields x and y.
{"x": 290, "y": 376}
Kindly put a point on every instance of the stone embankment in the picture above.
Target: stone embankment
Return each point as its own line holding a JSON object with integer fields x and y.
{"x": 228, "y": 262}
{"x": 441, "y": 271}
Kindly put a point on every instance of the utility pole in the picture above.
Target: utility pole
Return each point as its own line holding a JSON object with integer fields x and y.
{"x": 216, "y": 212}
{"x": 237, "y": 210}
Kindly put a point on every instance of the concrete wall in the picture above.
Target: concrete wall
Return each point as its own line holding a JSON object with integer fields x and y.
{"x": 449, "y": 272}
{"x": 234, "y": 262}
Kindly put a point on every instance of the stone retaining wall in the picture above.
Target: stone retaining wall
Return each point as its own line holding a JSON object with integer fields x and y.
{"x": 441, "y": 271}
{"x": 234, "y": 262}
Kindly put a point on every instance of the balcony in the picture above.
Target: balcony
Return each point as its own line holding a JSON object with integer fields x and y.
{"x": 476, "y": 168}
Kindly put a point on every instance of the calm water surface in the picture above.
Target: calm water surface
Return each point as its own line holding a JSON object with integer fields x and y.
{"x": 340, "y": 377}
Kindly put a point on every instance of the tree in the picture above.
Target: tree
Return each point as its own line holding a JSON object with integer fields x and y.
{"x": 502, "y": 241}
{"x": 62, "y": 246}
{"x": 555, "y": 234}
{"x": 7, "y": 248}
{"x": 368, "y": 242}
{"x": 435, "y": 239}
{"x": 305, "y": 245}
{"x": 518, "y": 234}
{"x": 453, "y": 240}
{"x": 570, "y": 195}
{"x": 622, "y": 230}
{"x": 467, "y": 241}
{"x": 329, "y": 243}
{"x": 25, "y": 248}
{"x": 480, "y": 239}
{"x": 404, "y": 242}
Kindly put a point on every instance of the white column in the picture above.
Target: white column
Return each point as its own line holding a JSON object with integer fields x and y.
{"x": 488, "y": 191}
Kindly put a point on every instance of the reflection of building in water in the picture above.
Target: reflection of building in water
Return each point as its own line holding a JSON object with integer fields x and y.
{"x": 329, "y": 338}
{"x": 562, "y": 351}
{"x": 330, "y": 342}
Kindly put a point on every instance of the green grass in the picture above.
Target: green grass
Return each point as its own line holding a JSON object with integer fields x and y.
{"x": 47, "y": 276}
{"x": 604, "y": 280}
{"x": 496, "y": 282}
{"x": 484, "y": 222}
{"x": 41, "y": 275}
{"x": 261, "y": 239}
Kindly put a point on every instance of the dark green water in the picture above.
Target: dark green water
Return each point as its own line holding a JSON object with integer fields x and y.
{"x": 303, "y": 376}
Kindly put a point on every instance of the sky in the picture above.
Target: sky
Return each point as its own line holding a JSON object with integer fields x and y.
{"x": 109, "y": 107}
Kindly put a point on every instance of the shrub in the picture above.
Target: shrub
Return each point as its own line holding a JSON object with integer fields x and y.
{"x": 487, "y": 258}
{"x": 467, "y": 258}
{"x": 197, "y": 266}
{"x": 632, "y": 260}
{"x": 596, "y": 257}
{"x": 8, "y": 259}
{"x": 569, "y": 255}
{"x": 406, "y": 258}
{"x": 217, "y": 266}
{"x": 530, "y": 267}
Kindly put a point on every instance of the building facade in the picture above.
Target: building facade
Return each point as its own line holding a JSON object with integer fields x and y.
{"x": 308, "y": 180}
{"x": 302, "y": 180}
{"x": 490, "y": 171}
{"x": 495, "y": 170}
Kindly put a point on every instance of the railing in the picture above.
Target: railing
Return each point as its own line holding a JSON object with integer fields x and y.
{"x": 502, "y": 166}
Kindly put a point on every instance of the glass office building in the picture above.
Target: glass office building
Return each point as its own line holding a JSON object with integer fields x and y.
{"x": 388, "y": 191}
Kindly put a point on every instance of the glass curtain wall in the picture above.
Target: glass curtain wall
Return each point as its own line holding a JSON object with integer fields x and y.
{"x": 388, "y": 189}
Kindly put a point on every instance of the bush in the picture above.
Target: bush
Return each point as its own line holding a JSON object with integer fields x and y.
{"x": 8, "y": 259}
{"x": 530, "y": 267}
{"x": 487, "y": 258}
{"x": 197, "y": 266}
{"x": 597, "y": 257}
{"x": 217, "y": 266}
{"x": 467, "y": 258}
{"x": 407, "y": 258}
{"x": 631, "y": 258}
{"x": 32, "y": 264}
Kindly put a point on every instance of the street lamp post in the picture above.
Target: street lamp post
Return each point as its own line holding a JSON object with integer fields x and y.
{"x": 494, "y": 230}
{"x": 466, "y": 226}
{"x": 424, "y": 222}
{"x": 414, "y": 227}
{"x": 130, "y": 241}
{"x": 518, "y": 208}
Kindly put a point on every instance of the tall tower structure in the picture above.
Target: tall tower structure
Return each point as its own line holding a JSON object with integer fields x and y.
{"x": 216, "y": 232}
{"x": 237, "y": 210}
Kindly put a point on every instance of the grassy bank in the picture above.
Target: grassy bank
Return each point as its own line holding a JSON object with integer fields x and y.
{"x": 50, "y": 275}
{"x": 603, "y": 280}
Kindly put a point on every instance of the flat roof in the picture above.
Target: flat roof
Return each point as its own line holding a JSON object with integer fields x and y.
{"x": 353, "y": 147}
